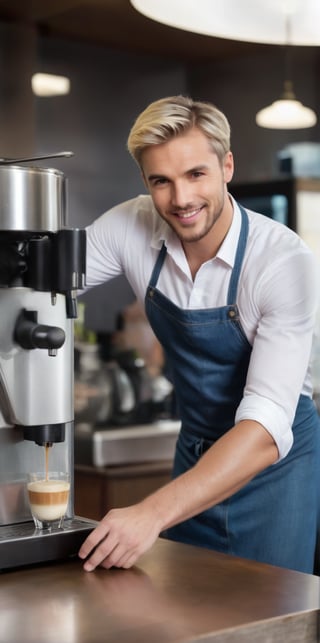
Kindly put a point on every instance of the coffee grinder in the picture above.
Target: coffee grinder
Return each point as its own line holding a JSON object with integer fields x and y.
{"x": 42, "y": 265}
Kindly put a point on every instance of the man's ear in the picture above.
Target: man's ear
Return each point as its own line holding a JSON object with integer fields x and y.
{"x": 228, "y": 167}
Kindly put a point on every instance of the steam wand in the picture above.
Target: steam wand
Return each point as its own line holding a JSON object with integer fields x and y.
{"x": 6, "y": 161}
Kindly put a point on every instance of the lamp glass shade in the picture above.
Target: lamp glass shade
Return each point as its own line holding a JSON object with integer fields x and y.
{"x": 261, "y": 21}
{"x": 286, "y": 114}
{"x": 50, "y": 85}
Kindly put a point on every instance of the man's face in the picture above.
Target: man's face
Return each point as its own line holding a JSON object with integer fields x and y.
{"x": 187, "y": 183}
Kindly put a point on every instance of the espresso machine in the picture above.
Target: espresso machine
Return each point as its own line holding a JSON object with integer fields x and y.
{"x": 42, "y": 265}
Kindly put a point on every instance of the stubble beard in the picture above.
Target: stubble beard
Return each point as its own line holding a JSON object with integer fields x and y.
{"x": 186, "y": 236}
{"x": 201, "y": 234}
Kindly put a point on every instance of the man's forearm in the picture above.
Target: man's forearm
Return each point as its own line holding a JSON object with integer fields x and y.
{"x": 227, "y": 466}
{"x": 124, "y": 534}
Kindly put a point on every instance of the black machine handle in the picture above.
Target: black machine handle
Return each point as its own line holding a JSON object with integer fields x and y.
{"x": 29, "y": 334}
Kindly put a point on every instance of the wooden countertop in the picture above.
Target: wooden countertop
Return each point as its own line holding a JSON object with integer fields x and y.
{"x": 176, "y": 593}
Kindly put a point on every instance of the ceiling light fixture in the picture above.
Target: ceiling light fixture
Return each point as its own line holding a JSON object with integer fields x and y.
{"x": 287, "y": 112}
{"x": 50, "y": 85}
{"x": 260, "y": 21}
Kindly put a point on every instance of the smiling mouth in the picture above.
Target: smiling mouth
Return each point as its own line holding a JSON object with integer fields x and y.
{"x": 189, "y": 214}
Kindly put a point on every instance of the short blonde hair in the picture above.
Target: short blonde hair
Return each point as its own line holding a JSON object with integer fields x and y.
{"x": 168, "y": 117}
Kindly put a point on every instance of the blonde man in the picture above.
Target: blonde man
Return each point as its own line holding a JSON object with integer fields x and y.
{"x": 230, "y": 294}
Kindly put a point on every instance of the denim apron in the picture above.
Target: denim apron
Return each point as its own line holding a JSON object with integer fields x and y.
{"x": 273, "y": 518}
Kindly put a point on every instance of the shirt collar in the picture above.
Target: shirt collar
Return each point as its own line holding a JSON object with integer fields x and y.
{"x": 228, "y": 248}
{"x": 162, "y": 232}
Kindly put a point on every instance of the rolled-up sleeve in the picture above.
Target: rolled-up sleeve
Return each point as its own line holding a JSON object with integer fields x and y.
{"x": 271, "y": 416}
{"x": 285, "y": 299}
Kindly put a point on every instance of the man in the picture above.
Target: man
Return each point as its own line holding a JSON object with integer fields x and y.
{"x": 231, "y": 295}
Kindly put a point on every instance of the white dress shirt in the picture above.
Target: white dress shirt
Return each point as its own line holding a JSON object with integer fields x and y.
{"x": 276, "y": 296}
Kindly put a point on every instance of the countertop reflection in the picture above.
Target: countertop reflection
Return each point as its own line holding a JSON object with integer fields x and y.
{"x": 176, "y": 593}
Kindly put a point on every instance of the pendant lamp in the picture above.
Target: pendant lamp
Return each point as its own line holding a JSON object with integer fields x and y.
{"x": 287, "y": 112}
{"x": 50, "y": 85}
{"x": 259, "y": 21}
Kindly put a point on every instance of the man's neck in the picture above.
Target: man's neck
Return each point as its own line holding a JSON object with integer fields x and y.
{"x": 199, "y": 252}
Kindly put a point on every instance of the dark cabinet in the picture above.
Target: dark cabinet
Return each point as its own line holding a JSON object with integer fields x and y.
{"x": 99, "y": 489}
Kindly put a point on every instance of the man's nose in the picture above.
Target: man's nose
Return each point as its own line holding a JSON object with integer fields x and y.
{"x": 180, "y": 194}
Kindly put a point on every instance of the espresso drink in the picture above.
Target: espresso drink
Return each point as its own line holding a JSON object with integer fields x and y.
{"x": 48, "y": 495}
{"x": 48, "y": 499}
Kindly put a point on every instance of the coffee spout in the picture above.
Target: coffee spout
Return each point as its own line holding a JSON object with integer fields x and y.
{"x": 45, "y": 434}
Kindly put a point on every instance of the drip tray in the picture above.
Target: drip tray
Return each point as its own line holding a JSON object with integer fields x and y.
{"x": 22, "y": 545}
{"x": 138, "y": 443}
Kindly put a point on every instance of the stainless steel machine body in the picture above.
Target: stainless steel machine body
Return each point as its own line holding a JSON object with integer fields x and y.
{"x": 42, "y": 264}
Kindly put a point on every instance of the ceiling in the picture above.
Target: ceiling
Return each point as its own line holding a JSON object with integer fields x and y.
{"x": 116, "y": 24}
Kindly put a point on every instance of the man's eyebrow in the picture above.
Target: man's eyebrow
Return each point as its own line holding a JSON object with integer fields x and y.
{"x": 197, "y": 168}
{"x": 152, "y": 177}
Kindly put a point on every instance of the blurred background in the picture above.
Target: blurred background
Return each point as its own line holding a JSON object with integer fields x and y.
{"x": 117, "y": 61}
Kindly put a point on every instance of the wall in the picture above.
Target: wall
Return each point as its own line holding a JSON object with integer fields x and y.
{"x": 17, "y": 118}
{"x": 108, "y": 90}
{"x": 241, "y": 87}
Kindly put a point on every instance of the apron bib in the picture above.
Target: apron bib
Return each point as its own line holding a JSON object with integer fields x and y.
{"x": 273, "y": 518}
